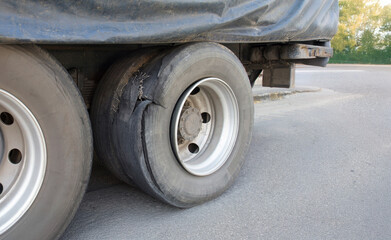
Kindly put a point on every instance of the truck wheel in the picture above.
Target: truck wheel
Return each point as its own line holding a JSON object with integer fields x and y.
{"x": 116, "y": 88}
{"x": 45, "y": 145}
{"x": 185, "y": 137}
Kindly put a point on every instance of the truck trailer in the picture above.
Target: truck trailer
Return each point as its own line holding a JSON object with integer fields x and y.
{"x": 159, "y": 91}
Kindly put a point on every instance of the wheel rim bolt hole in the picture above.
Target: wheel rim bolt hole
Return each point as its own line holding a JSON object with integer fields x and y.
{"x": 1, "y": 188}
{"x": 193, "y": 148}
{"x": 15, "y": 156}
{"x": 6, "y": 118}
{"x": 195, "y": 91}
{"x": 205, "y": 117}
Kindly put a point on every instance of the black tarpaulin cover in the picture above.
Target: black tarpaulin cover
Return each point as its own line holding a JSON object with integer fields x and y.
{"x": 166, "y": 21}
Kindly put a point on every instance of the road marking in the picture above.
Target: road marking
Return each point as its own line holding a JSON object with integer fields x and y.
{"x": 328, "y": 70}
{"x": 269, "y": 109}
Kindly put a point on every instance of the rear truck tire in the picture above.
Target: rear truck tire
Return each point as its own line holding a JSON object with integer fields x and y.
{"x": 180, "y": 122}
{"x": 46, "y": 145}
{"x": 115, "y": 85}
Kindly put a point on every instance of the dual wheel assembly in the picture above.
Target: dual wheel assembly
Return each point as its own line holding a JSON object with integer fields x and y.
{"x": 174, "y": 122}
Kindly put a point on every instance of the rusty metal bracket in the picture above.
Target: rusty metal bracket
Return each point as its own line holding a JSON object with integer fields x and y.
{"x": 304, "y": 51}
{"x": 280, "y": 75}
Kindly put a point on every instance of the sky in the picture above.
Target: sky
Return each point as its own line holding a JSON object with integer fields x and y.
{"x": 385, "y": 2}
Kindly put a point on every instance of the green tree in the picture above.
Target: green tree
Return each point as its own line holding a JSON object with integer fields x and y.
{"x": 364, "y": 32}
{"x": 350, "y": 18}
{"x": 385, "y": 29}
{"x": 367, "y": 42}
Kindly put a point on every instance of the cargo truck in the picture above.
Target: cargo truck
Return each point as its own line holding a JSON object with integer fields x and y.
{"x": 159, "y": 91}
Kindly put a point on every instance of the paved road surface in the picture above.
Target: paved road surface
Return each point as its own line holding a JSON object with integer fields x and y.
{"x": 319, "y": 168}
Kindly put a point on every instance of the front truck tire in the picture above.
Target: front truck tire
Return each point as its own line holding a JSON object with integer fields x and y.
{"x": 45, "y": 145}
{"x": 177, "y": 123}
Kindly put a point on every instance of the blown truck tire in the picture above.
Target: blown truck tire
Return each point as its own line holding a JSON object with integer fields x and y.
{"x": 45, "y": 145}
{"x": 180, "y": 122}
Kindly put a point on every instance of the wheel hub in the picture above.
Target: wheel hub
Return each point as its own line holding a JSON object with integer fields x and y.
{"x": 1, "y": 146}
{"x": 204, "y": 126}
{"x": 190, "y": 123}
{"x": 23, "y": 164}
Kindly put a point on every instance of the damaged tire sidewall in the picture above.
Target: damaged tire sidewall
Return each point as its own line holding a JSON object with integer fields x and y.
{"x": 178, "y": 71}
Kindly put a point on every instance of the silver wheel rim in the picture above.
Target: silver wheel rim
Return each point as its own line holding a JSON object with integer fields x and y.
{"x": 204, "y": 126}
{"x": 23, "y": 159}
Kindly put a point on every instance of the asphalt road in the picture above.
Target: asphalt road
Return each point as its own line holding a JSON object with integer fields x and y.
{"x": 319, "y": 168}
